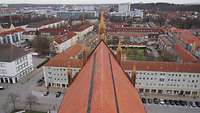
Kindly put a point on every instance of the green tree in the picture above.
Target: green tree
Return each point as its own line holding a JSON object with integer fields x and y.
{"x": 41, "y": 44}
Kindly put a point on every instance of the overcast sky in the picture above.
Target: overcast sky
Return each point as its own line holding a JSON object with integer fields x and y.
{"x": 94, "y": 1}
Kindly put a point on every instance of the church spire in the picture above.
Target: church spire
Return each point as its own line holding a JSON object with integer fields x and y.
{"x": 133, "y": 75}
{"x": 102, "y": 28}
{"x": 119, "y": 52}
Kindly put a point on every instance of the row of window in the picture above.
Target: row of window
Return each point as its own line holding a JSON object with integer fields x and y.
{"x": 172, "y": 85}
{"x": 2, "y": 65}
{"x": 22, "y": 66}
{"x": 171, "y": 75}
{"x": 21, "y": 60}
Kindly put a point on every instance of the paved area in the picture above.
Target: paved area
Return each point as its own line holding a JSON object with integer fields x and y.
{"x": 25, "y": 88}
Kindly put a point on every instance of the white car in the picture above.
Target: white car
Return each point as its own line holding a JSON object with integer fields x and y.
{"x": 1, "y": 88}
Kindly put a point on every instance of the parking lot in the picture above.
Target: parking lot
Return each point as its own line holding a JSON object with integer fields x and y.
{"x": 155, "y": 105}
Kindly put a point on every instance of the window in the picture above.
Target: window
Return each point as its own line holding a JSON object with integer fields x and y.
{"x": 162, "y": 79}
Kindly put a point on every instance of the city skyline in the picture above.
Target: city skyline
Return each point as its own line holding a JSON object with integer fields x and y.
{"x": 96, "y": 1}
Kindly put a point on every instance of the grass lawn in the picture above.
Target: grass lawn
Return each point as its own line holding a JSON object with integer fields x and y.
{"x": 135, "y": 53}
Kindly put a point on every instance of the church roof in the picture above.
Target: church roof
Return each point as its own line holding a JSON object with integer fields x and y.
{"x": 101, "y": 87}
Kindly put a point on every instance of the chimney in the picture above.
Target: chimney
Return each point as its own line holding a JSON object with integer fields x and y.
{"x": 133, "y": 75}
{"x": 119, "y": 52}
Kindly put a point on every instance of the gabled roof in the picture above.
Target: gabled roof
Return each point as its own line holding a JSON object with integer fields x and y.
{"x": 101, "y": 87}
{"x": 42, "y": 23}
{"x": 162, "y": 66}
{"x": 64, "y": 59}
{"x": 65, "y": 37}
{"x": 11, "y": 31}
{"x": 185, "y": 55}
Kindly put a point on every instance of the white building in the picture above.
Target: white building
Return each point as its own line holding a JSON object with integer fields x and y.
{"x": 165, "y": 77}
{"x": 15, "y": 63}
{"x": 11, "y": 36}
{"x": 83, "y": 30}
{"x": 56, "y": 70}
{"x": 122, "y": 8}
{"x": 62, "y": 43}
{"x": 49, "y": 23}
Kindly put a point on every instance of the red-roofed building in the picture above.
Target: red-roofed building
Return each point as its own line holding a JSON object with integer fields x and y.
{"x": 56, "y": 68}
{"x": 185, "y": 56}
{"x": 63, "y": 42}
{"x": 101, "y": 87}
{"x": 11, "y": 36}
{"x": 165, "y": 77}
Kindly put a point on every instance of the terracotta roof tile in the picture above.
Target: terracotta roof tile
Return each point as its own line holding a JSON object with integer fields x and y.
{"x": 65, "y": 58}
{"x": 185, "y": 55}
{"x": 101, "y": 87}
{"x": 162, "y": 66}
{"x": 62, "y": 38}
{"x": 11, "y": 31}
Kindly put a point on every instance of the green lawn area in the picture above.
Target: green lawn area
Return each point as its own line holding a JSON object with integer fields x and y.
{"x": 135, "y": 53}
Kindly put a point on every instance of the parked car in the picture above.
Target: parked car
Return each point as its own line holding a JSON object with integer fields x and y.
{"x": 46, "y": 93}
{"x": 191, "y": 104}
{"x": 144, "y": 100}
{"x": 176, "y": 102}
{"x": 162, "y": 101}
{"x": 156, "y": 101}
{"x": 58, "y": 94}
{"x": 149, "y": 101}
{"x": 182, "y": 103}
{"x": 1, "y": 88}
{"x": 197, "y": 104}
{"x": 171, "y": 102}
{"x": 166, "y": 102}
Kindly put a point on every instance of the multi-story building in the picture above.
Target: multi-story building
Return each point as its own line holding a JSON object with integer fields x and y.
{"x": 15, "y": 63}
{"x": 11, "y": 36}
{"x": 49, "y": 23}
{"x": 63, "y": 42}
{"x": 56, "y": 69}
{"x": 165, "y": 77}
{"x": 76, "y": 15}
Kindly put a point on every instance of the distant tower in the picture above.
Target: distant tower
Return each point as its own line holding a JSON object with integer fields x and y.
{"x": 133, "y": 75}
{"x": 119, "y": 52}
{"x": 102, "y": 28}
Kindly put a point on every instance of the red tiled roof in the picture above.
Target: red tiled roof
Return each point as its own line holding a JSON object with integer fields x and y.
{"x": 127, "y": 34}
{"x": 132, "y": 29}
{"x": 80, "y": 27}
{"x": 185, "y": 55}
{"x": 65, "y": 37}
{"x": 44, "y": 22}
{"x": 162, "y": 66}
{"x": 175, "y": 30}
{"x": 188, "y": 38}
{"x": 54, "y": 31}
{"x": 65, "y": 58}
{"x": 11, "y": 31}
{"x": 101, "y": 87}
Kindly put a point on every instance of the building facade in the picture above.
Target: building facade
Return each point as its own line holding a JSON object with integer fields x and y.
{"x": 15, "y": 64}
{"x": 11, "y": 36}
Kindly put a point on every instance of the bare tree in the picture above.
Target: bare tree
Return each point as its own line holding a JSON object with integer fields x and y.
{"x": 31, "y": 100}
{"x": 5, "y": 107}
{"x": 13, "y": 99}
